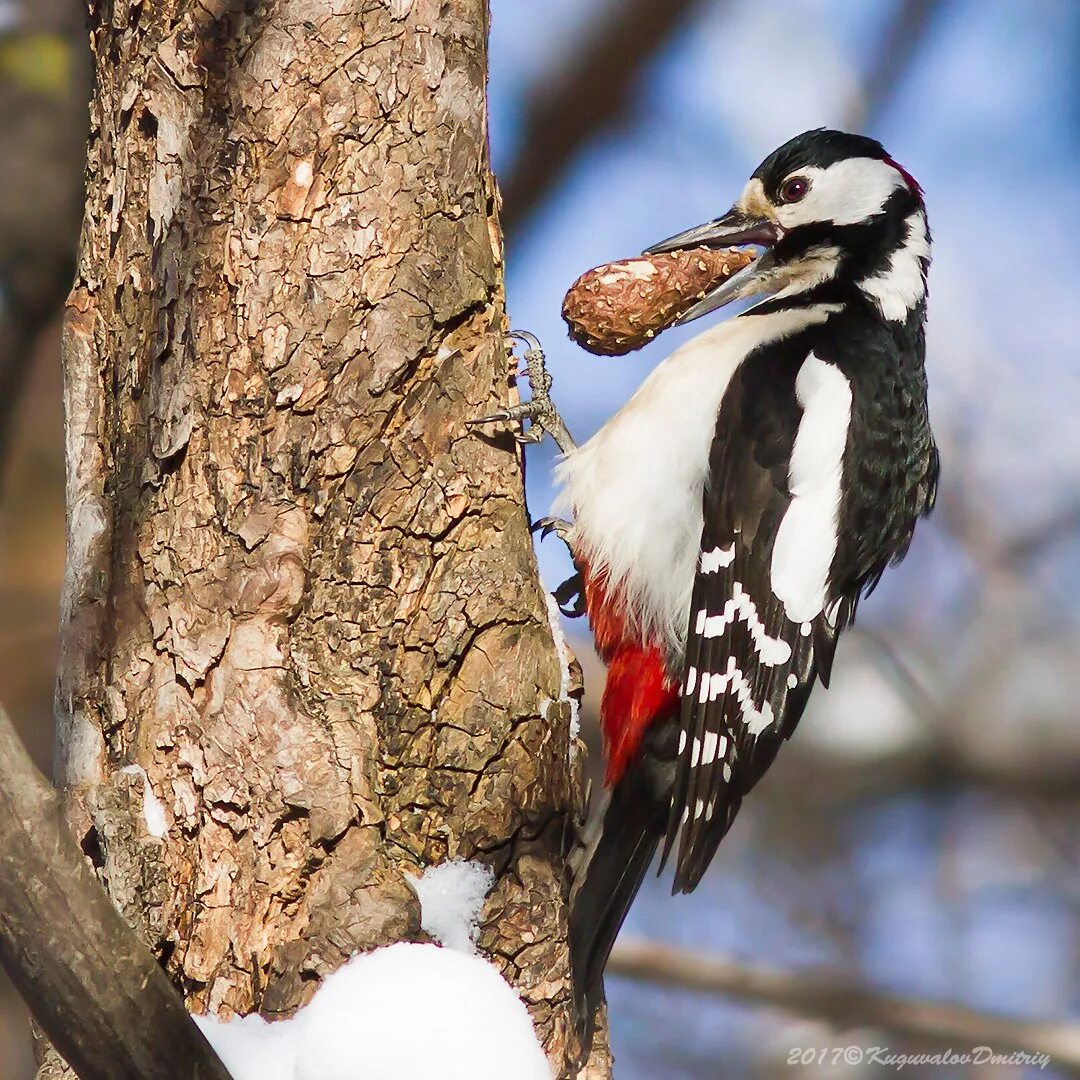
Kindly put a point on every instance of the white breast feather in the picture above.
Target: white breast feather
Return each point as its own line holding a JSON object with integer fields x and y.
{"x": 806, "y": 540}
{"x": 634, "y": 490}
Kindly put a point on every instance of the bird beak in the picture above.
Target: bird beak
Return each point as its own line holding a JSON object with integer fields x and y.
{"x": 735, "y": 228}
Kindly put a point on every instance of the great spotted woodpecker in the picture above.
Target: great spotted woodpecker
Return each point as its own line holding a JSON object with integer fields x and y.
{"x": 728, "y": 519}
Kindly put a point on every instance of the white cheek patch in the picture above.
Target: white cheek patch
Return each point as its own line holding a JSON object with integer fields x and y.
{"x": 902, "y": 284}
{"x": 845, "y": 193}
{"x": 806, "y": 540}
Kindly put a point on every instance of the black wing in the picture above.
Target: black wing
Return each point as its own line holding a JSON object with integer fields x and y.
{"x": 748, "y": 668}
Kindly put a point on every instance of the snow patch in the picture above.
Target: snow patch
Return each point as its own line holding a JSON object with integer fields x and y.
{"x": 565, "y": 655}
{"x": 405, "y": 1012}
{"x": 451, "y": 896}
{"x": 249, "y": 1047}
{"x": 153, "y": 811}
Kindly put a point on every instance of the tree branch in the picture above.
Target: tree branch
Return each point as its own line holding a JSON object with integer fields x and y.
{"x": 94, "y": 988}
{"x": 845, "y": 1003}
{"x": 899, "y": 45}
{"x": 570, "y": 111}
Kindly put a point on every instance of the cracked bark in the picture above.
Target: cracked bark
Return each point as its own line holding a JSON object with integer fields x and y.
{"x": 300, "y": 593}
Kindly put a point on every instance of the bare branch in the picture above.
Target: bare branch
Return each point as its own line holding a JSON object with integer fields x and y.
{"x": 845, "y": 1003}
{"x": 899, "y": 46}
{"x": 94, "y": 988}
{"x": 572, "y": 110}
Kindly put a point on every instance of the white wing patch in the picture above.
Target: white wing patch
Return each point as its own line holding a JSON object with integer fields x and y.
{"x": 707, "y": 750}
{"x": 713, "y": 686}
{"x": 691, "y": 684}
{"x": 806, "y": 540}
{"x": 755, "y": 719}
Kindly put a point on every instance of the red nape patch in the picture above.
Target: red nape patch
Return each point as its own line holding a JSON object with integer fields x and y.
{"x": 637, "y": 692}
{"x": 916, "y": 187}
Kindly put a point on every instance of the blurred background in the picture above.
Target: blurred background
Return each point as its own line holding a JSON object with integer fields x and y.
{"x": 920, "y": 836}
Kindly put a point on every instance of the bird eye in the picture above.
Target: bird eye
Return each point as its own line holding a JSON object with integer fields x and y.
{"x": 794, "y": 189}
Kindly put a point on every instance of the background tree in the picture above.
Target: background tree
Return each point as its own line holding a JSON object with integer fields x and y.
{"x": 44, "y": 86}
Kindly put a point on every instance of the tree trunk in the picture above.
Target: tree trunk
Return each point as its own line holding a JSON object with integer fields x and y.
{"x": 304, "y": 645}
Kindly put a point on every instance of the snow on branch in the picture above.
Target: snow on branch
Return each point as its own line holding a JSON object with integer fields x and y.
{"x": 153, "y": 810}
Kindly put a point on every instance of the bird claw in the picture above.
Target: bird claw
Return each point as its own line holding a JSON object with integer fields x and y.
{"x": 570, "y": 596}
{"x": 548, "y": 525}
{"x": 538, "y": 410}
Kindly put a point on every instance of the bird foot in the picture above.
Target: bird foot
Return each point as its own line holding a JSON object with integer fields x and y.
{"x": 570, "y": 597}
{"x": 548, "y": 525}
{"x": 542, "y": 415}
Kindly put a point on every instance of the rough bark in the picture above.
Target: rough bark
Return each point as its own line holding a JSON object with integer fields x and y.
{"x": 301, "y": 594}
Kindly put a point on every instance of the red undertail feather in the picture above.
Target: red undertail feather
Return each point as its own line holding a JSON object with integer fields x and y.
{"x": 639, "y": 688}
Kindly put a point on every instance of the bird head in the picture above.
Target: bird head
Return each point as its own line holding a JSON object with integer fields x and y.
{"x": 831, "y": 211}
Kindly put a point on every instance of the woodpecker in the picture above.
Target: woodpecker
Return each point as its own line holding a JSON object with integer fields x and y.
{"x": 727, "y": 520}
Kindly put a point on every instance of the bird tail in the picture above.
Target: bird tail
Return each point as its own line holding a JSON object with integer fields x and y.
{"x": 619, "y": 841}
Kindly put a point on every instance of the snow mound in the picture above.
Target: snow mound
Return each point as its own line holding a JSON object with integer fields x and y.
{"x": 406, "y": 1012}
{"x": 451, "y": 896}
{"x": 249, "y": 1047}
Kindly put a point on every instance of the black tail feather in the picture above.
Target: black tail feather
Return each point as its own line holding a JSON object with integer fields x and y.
{"x": 620, "y": 841}
{"x": 613, "y": 876}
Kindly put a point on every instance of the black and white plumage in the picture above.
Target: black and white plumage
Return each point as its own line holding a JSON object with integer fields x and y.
{"x": 806, "y": 504}
{"x": 751, "y": 492}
